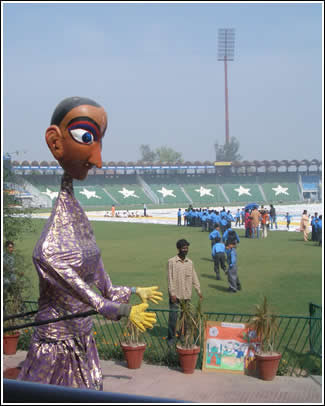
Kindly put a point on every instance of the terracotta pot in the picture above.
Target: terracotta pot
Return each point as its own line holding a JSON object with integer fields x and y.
{"x": 11, "y": 373}
{"x": 133, "y": 355}
{"x": 10, "y": 343}
{"x": 188, "y": 358}
{"x": 267, "y": 366}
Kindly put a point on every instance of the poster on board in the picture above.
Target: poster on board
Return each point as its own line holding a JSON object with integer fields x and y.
{"x": 229, "y": 347}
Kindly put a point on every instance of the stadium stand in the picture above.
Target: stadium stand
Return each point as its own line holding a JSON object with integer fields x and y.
{"x": 205, "y": 195}
{"x": 281, "y": 192}
{"x": 311, "y": 186}
{"x": 93, "y": 196}
{"x": 127, "y": 194}
{"x": 199, "y": 184}
{"x": 237, "y": 193}
{"x": 170, "y": 193}
{"x": 310, "y": 183}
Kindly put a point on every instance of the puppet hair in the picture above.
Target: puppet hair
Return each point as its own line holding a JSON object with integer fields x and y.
{"x": 63, "y": 108}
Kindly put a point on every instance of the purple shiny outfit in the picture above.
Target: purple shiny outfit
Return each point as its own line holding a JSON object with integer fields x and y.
{"x": 68, "y": 263}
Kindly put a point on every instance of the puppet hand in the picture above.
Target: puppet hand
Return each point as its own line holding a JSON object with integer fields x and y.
{"x": 142, "y": 319}
{"x": 150, "y": 293}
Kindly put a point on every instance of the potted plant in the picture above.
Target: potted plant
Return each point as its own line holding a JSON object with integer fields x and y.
{"x": 15, "y": 285}
{"x": 133, "y": 345}
{"x": 189, "y": 326}
{"x": 12, "y": 306}
{"x": 264, "y": 323}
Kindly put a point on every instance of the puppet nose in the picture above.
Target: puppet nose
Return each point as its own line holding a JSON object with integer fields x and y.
{"x": 96, "y": 155}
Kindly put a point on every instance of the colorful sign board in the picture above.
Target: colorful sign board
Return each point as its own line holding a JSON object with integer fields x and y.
{"x": 229, "y": 347}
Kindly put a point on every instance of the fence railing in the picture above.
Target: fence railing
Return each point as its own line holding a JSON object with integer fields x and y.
{"x": 315, "y": 325}
{"x": 299, "y": 339}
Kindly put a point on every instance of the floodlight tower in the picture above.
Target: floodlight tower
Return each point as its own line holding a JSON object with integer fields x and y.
{"x": 226, "y": 47}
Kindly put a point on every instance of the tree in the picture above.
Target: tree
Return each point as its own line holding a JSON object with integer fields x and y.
{"x": 147, "y": 155}
{"x": 228, "y": 152}
{"x": 165, "y": 154}
{"x": 14, "y": 224}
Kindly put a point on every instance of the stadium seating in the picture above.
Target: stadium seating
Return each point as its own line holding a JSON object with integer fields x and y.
{"x": 170, "y": 193}
{"x": 92, "y": 196}
{"x": 243, "y": 193}
{"x": 201, "y": 190}
{"x": 127, "y": 194}
{"x": 274, "y": 194}
{"x": 205, "y": 195}
{"x": 310, "y": 182}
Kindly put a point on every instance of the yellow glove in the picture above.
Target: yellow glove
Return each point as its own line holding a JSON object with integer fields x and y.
{"x": 150, "y": 293}
{"x": 142, "y": 319}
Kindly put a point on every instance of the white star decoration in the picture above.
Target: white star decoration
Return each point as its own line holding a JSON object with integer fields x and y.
{"x": 89, "y": 193}
{"x": 166, "y": 192}
{"x": 203, "y": 191}
{"x": 279, "y": 189}
{"x": 128, "y": 193}
{"x": 50, "y": 194}
{"x": 243, "y": 191}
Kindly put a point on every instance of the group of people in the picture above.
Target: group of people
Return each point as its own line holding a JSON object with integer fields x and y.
{"x": 259, "y": 221}
{"x": 316, "y": 227}
{"x": 223, "y": 248}
{"x": 253, "y": 220}
{"x": 122, "y": 214}
{"x": 125, "y": 213}
{"x": 205, "y": 218}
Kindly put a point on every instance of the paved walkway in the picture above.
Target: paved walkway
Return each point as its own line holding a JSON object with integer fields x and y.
{"x": 200, "y": 387}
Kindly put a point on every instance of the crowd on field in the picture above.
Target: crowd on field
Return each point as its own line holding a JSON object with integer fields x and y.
{"x": 256, "y": 221}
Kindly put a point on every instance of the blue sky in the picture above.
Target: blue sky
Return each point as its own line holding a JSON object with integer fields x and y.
{"x": 154, "y": 68}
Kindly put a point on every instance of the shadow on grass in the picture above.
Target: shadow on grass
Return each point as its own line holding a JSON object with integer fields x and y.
{"x": 207, "y": 259}
{"x": 208, "y": 276}
{"x": 220, "y": 288}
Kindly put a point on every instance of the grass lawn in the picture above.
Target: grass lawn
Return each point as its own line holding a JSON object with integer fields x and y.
{"x": 282, "y": 266}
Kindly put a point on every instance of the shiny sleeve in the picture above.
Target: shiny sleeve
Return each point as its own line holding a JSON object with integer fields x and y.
{"x": 120, "y": 294}
{"x": 62, "y": 275}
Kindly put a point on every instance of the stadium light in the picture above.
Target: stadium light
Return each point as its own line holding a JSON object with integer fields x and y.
{"x": 226, "y": 47}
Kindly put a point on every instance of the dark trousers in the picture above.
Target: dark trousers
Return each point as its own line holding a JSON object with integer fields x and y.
{"x": 233, "y": 280}
{"x": 173, "y": 318}
{"x": 219, "y": 260}
{"x": 313, "y": 233}
{"x": 248, "y": 232}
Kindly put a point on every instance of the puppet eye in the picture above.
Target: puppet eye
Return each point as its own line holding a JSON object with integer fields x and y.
{"x": 82, "y": 136}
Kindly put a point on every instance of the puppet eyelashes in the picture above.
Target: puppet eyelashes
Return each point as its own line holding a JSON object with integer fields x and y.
{"x": 82, "y": 136}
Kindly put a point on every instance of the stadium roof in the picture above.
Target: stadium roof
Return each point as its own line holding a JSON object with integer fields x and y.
{"x": 255, "y": 163}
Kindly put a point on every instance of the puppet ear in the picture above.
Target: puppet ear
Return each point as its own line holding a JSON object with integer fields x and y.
{"x": 53, "y": 138}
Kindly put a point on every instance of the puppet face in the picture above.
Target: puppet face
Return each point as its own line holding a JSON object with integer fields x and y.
{"x": 77, "y": 142}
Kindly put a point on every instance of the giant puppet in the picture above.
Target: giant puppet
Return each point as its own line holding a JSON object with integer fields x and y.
{"x": 69, "y": 263}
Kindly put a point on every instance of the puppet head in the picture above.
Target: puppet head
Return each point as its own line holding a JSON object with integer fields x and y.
{"x": 75, "y": 135}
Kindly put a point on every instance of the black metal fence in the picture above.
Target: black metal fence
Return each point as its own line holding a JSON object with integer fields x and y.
{"x": 315, "y": 325}
{"x": 299, "y": 339}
